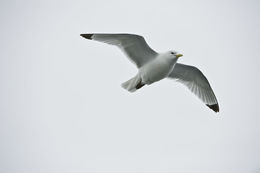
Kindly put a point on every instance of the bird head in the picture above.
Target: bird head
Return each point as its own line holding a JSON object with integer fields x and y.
{"x": 175, "y": 54}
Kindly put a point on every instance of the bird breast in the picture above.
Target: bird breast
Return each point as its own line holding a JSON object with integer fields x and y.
{"x": 156, "y": 70}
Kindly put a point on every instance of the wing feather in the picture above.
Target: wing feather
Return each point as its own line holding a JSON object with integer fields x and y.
{"x": 196, "y": 82}
{"x": 134, "y": 46}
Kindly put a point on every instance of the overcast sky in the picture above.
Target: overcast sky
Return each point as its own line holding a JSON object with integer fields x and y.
{"x": 62, "y": 108}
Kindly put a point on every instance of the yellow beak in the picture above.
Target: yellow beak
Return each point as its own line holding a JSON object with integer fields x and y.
{"x": 179, "y": 55}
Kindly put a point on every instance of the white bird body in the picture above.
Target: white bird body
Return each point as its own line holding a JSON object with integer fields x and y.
{"x": 157, "y": 69}
{"x": 153, "y": 66}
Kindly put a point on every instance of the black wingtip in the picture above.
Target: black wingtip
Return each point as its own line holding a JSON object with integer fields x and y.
{"x": 87, "y": 36}
{"x": 214, "y": 107}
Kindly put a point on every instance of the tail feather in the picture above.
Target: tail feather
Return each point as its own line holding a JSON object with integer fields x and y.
{"x": 133, "y": 84}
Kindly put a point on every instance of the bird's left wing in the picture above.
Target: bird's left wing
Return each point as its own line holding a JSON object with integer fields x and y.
{"x": 196, "y": 82}
{"x": 134, "y": 46}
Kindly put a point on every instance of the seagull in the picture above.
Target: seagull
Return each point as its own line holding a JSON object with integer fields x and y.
{"x": 153, "y": 66}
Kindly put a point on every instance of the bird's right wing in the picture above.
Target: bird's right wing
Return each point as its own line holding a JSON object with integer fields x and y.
{"x": 196, "y": 82}
{"x": 134, "y": 46}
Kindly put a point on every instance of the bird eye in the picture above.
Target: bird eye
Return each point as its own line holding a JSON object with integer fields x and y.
{"x": 172, "y": 53}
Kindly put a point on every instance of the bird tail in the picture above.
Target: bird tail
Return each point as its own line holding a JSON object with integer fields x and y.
{"x": 133, "y": 84}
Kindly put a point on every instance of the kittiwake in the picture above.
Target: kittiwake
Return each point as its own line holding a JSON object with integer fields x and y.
{"x": 153, "y": 66}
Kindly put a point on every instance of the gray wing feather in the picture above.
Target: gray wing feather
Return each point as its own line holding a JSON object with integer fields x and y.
{"x": 134, "y": 46}
{"x": 196, "y": 82}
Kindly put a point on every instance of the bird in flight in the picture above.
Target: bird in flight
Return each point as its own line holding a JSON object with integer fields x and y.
{"x": 153, "y": 66}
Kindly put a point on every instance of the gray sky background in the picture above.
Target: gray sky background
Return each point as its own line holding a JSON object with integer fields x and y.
{"x": 62, "y": 108}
